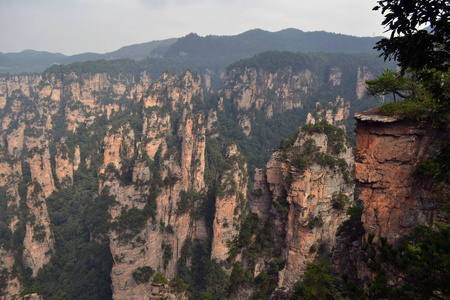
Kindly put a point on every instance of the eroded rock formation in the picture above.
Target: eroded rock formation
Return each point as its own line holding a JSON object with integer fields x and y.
{"x": 230, "y": 203}
{"x": 304, "y": 201}
{"x": 335, "y": 113}
{"x": 395, "y": 197}
{"x": 148, "y": 149}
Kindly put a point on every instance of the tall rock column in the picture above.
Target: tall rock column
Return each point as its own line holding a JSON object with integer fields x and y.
{"x": 388, "y": 150}
{"x": 9, "y": 181}
{"x": 230, "y": 202}
{"x": 39, "y": 242}
{"x": 304, "y": 192}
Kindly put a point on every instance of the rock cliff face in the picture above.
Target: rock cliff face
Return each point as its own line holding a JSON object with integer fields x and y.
{"x": 35, "y": 110}
{"x": 363, "y": 74}
{"x": 153, "y": 163}
{"x": 280, "y": 90}
{"x": 38, "y": 242}
{"x": 160, "y": 179}
{"x": 154, "y": 149}
{"x": 395, "y": 198}
{"x": 335, "y": 113}
{"x": 267, "y": 92}
{"x": 305, "y": 199}
{"x": 230, "y": 203}
{"x": 254, "y": 89}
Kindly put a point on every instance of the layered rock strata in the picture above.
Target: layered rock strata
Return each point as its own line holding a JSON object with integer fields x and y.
{"x": 35, "y": 109}
{"x": 395, "y": 197}
{"x": 335, "y": 113}
{"x": 165, "y": 186}
{"x": 230, "y": 203}
{"x": 311, "y": 216}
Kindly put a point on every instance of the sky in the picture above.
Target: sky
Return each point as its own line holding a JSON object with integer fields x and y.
{"x": 100, "y": 26}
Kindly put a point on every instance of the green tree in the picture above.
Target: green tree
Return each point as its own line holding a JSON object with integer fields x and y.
{"x": 415, "y": 48}
{"x": 159, "y": 278}
{"x": 317, "y": 282}
{"x": 143, "y": 274}
{"x": 390, "y": 82}
{"x": 422, "y": 54}
{"x": 418, "y": 269}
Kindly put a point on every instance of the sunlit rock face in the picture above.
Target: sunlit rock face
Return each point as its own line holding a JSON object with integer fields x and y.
{"x": 388, "y": 149}
{"x": 310, "y": 220}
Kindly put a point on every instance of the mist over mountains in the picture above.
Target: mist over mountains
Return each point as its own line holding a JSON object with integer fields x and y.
{"x": 221, "y": 50}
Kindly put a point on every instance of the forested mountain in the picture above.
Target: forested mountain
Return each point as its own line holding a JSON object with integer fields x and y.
{"x": 212, "y": 52}
{"x": 112, "y": 176}
{"x": 120, "y": 179}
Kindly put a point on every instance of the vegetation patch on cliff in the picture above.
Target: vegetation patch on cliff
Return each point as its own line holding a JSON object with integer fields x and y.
{"x": 304, "y": 156}
{"x": 205, "y": 277}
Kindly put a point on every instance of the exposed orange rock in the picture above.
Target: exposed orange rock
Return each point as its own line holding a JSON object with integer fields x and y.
{"x": 16, "y": 140}
{"x": 64, "y": 167}
{"x": 262, "y": 88}
{"x": 174, "y": 89}
{"x": 193, "y": 152}
{"x": 309, "y": 195}
{"x": 13, "y": 285}
{"x": 39, "y": 243}
{"x": 229, "y": 204}
{"x": 246, "y": 124}
{"x": 388, "y": 150}
{"x": 110, "y": 108}
{"x": 41, "y": 170}
{"x": 170, "y": 228}
{"x": 156, "y": 128}
{"x": 2, "y": 101}
{"x": 22, "y": 83}
{"x": 77, "y": 158}
{"x": 118, "y": 144}
{"x": 10, "y": 177}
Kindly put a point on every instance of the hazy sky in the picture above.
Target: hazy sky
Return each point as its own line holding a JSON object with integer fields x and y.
{"x": 76, "y": 26}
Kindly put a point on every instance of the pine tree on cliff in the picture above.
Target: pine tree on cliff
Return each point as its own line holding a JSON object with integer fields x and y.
{"x": 422, "y": 54}
{"x": 415, "y": 48}
{"x": 420, "y": 267}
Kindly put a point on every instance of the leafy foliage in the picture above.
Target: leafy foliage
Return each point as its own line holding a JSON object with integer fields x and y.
{"x": 80, "y": 268}
{"x": 418, "y": 269}
{"x": 314, "y": 222}
{"x": 415, "y": 48}
{"x": 5, "y": 231}
{"x": 339, "y": 201}
{"x": 159, "y": 278}
{"x": 391, "y": 82}
{"x": 247, "y": 230}
{"x": 132, "y": 221}
{"x": 353, "y": 225}
{"x": 413, "y": 110}
{"x": 143, "y": 274}
{"x": 336, "y": 136}
{"x": 203, "y": 275}
{"x": 187, "y": 200}
{"x": 438, "y": 165}
{"x": 303, "y": 157}
{"x": 179, "y": 285}
{"x": 273, "y": 61}
{"x": 317, "y": 282}
{"x": 423, "y": 55}
{"x": 281, "y": 204}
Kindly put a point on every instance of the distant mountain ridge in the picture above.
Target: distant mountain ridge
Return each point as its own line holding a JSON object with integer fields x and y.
{"x": 224, "y": 48}
{"x": 256, "y": 41}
